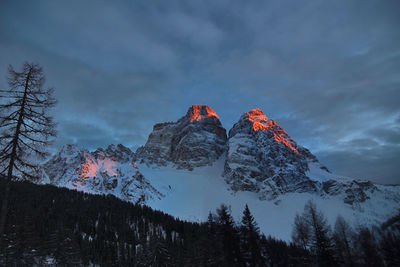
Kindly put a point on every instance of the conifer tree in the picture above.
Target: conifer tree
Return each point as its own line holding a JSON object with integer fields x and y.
{"x": 160, "y": 255}
{"x": 229, "y": 237}
{"x": 321, "y": 241}
{"x": 367, "y": 249}
{"x": 25, "y": 127}
{"x": 250, "y": 236}
{"x": 390, "y": 246}
{"x": 211, "y": 247}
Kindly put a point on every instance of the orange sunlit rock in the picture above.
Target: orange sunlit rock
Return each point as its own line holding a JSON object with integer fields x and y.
{"x": 90, "y": 168}
{"x": 200, "y": 112}
{"x": 261, "y": 122}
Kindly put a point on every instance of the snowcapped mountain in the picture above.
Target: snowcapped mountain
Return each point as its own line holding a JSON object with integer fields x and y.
{"x": 263, "y": 158}
{"x": 109, "y": 171}
{"x": 189, "y": 167}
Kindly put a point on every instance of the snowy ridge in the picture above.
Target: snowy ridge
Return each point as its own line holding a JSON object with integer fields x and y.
{"x": 110, "y": 171}
{"x": 189, "y": 167}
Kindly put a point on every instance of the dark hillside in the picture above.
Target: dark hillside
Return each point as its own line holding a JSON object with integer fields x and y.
{"x": 50, "y": 224}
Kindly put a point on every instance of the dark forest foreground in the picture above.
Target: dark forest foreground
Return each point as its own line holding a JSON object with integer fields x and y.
{"x": 47, "y": 225}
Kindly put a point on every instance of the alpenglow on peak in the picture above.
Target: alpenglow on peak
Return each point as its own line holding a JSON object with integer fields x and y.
{"x": 200, "y": 112}
{"x": 196, "y": 139}
{"x": 263, "y": 123}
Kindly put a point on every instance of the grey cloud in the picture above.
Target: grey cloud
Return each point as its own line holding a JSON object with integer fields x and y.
{"x": 84, "y": 135}
{"x": 361, "y": 143}
{"x": 388, "y": 136}
{"x": 327, "y": 72}
{"x": 365, "y": 163}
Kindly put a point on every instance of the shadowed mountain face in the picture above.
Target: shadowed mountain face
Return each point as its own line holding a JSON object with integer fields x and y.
{"x": 263, "y": 157}
{"x": 195, "y": 140}
{"x": 259, "y": 156}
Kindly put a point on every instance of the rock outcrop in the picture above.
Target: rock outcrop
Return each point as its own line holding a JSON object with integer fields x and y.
{"x": 195, "y": 140}
{"x": 263, "y": 158}
{"x": 259, "y": 155}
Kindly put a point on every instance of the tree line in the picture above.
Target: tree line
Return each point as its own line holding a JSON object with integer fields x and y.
{"x": 49, "y": 226}
{"x": 343, "y": 245}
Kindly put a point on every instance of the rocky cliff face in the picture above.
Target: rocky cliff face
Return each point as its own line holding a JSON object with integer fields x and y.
{"x": 109, "y": 171}
{"x": 195, "y": 140}
{"x": 263, "y": 158}
{"x": 259, "y": 156}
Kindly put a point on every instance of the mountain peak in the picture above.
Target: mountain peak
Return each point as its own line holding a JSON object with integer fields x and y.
{"x": 70, "y": 150}
{"x": 256, "y": 112}
{"x": 201, "y": 112}
{"x": 260, "y": 122}
{"x": 197, "y": 139}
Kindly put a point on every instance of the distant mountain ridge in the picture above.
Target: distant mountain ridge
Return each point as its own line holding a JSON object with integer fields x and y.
{"x": 109, "y": 171}
{"x": 193, "y": 158}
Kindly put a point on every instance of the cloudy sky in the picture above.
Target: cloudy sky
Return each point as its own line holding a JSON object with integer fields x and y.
{"x": 327, "y": 71}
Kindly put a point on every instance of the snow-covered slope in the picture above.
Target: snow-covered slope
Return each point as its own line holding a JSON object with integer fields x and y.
{"x": 109, "y": 171}
{"x": 264, "y": 159}
{"x": 189, "y": 167}
{"x": 191, "y": 195}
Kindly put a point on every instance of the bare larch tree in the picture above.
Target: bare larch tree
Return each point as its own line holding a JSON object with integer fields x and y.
{"x": 26, "y": 128}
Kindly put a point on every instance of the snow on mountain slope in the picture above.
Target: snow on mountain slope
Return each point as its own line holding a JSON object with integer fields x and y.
{"x": 191, "y": 195}
{"x": 317, "y": 174}
{"x": 264, "y": 159}
{"x": 110, "y": 171}
{"x": 189, "y": 167}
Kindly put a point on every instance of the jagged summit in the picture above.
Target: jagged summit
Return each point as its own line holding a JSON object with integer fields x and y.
{"x": 69, "y": 149}
{"x": 259, "y": 161}
{"x": 263, "y": 158}
{"x": 197, "y": 139}
{"x": 197, "y": 113}
{"x": 262, "y": 123}
{"x": 116, "y": 152}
